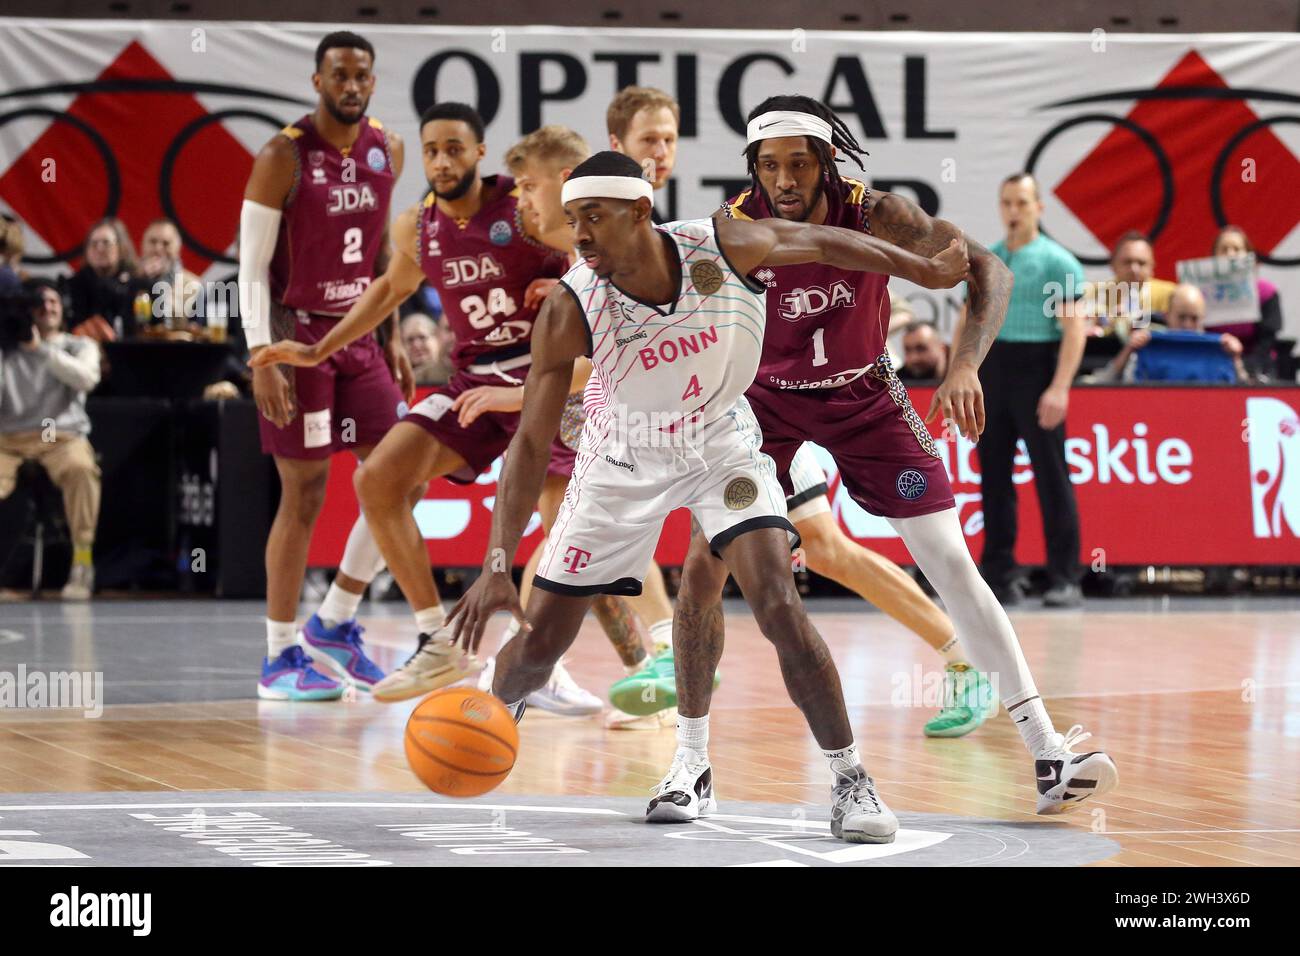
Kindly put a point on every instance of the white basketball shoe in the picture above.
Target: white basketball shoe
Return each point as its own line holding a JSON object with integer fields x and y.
{"x": 686, "y": 792}
{"x": 1066, "y": 779}
{"x": 858, "y": 815}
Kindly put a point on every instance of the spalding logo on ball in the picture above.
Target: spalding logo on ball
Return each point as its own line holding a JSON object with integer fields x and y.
{"x": 461, "y": 742}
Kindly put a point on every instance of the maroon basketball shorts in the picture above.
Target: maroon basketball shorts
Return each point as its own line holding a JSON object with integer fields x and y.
{"x": 347, "y": 401}
{"x": 886, "y": 457}
{"x": 486, "y": 438}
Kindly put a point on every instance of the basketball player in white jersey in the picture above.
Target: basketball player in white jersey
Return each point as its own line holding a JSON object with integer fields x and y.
{"x": 674, "y": 328}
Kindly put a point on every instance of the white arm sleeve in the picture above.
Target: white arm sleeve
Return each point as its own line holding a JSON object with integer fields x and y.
{"x": 259, "y": 228}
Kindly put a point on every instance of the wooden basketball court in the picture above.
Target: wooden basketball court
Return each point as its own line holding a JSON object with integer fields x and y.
{"x": 1197, "y": 700}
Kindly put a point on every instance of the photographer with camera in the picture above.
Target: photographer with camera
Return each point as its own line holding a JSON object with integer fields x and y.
{"x": 44, "y": 377}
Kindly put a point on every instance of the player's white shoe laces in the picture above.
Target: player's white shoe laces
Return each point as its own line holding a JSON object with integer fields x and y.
{"x": 1065, "y": 778}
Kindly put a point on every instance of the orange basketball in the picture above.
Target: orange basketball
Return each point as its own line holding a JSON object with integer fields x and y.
{"x": 461, "y": 742}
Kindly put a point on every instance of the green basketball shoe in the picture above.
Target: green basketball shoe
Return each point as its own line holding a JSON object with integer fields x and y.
{"x": 968, "y": 701}
{"x": 651, "y": 689}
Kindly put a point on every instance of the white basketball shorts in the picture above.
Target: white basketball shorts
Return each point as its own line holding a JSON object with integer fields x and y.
{"x": 621, "y": 491}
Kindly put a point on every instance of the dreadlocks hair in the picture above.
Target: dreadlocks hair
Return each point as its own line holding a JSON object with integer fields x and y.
{"x": 841, "y": 137}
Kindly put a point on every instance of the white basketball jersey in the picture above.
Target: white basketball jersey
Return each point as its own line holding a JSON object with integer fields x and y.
{"x": 685, "y": 362}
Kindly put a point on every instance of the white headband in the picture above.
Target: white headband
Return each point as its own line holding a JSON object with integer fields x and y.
{"x": 787, "y": 123}
{"x": 605, "y": 187}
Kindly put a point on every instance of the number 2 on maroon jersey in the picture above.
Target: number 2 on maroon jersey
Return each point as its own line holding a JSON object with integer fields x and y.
{"x": 352, "y": 245}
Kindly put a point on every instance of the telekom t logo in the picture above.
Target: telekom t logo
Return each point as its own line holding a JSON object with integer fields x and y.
{"x": 576, "y": 559}
{"x": 1274, "y": 442}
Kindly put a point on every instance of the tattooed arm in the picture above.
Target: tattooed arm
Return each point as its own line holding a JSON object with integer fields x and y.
{"x": 960, "y": 398}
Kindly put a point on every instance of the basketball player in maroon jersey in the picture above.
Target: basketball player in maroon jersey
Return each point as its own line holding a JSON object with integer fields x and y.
{"x": 467, "y": 240}
{"x": 313, "y": 231}
{"x": 826, "y": 377}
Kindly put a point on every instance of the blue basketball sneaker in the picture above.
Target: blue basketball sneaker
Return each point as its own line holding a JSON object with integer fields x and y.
{"x": 340, "y": 650}
{"x": 291, "y": 677}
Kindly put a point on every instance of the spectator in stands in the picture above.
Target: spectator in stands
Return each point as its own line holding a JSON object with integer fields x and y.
{"x": 1186, "y": 313}
{"x": 43, "y": 385}
{"x": 162, "y": 270}
{"x": 103, "y": 292}
{"x": 925, "y": 356}
{"x": 1258, "y": 339}
{"x": 11, "y": 255}
{"x": 427, "y": 348}
{"x": 1026, "y": 379}
{"x": 1132, "y": 295}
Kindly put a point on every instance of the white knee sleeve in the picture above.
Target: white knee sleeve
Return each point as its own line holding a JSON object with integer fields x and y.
{"x": 939, "y": 547}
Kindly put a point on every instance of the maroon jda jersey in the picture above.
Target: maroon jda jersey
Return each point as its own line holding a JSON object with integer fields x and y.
{"x": 334, "y": 219}
{"x": 825, "y": 326}
{"x": 481, "y": 268}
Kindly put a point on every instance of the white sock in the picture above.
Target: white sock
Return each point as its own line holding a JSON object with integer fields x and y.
{"x": 1032, "y": 721}
{"x": 953, "y": 652}
{"x": 693, "y": 734}
{"x": 661, "y": 635}
{"x": 339, "y": 606}
{"x": 429, "y": 619}
{"x": 361, "y": 558}
{"x": 844, "y": 763}
{"x": 279, "y": 635}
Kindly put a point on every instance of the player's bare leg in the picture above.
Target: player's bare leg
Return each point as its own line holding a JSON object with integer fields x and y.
{"x": 968, "y": 699}
{"x": 561, "y": 694}
{"x": 333, "y": 633}
{"x": 654, "y": 609}
{"x": 651, "y": 688}
{"x": 401, "y": 463}
{"x": 698, "y": 634}
{"x": 525, "y": 663}
{"x": 287, "y": 674}
{"x": 686, "y": 791}
{"x": 646, "y": 698}
{"x": 759, "y": 560}
{"x": 760, "y": 563}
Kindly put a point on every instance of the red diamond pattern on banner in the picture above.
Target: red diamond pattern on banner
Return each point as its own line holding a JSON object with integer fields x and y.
{"x": 1117, "y": 186}
{"x": 138, "y": 127}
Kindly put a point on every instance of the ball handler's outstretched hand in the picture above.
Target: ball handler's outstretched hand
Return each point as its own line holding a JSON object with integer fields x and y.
{"x": 960, "y": 399}
{"x": 493, "y": 591}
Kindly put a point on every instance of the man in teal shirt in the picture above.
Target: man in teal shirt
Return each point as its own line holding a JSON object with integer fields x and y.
{"x": 1026, "y": 380}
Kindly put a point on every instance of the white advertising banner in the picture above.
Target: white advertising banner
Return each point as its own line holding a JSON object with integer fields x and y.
{"x": 1171, "y": 135}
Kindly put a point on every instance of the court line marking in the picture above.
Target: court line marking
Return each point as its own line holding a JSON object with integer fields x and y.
{"x": 593, "y": 811}
{"x": 912, "y": 840}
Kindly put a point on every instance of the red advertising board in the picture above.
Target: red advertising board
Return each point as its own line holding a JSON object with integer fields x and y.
{"x": 1164, "y": 475}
